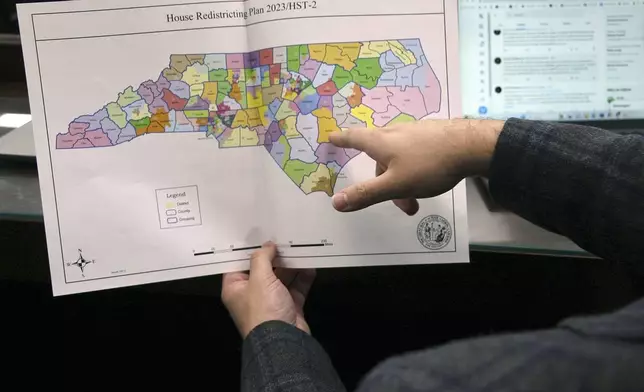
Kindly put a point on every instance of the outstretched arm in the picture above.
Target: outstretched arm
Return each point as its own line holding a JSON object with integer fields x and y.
{"x": 582, "y": 182}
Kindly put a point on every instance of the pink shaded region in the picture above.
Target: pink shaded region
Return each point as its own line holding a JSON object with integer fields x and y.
{"x": 76, "y": 128}
{"x": 376, "y": 98}
{"x": 98, "y": 138}
{"x": 409, "y": 101}
{"x": 432, "y": 94}
{"x": 235, "y": 60}
{"x": 382, "y": 119}
{"x": 83, "y": 143}
{"x": 66, "y": 140}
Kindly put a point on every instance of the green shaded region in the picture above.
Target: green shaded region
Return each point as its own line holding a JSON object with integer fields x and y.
{"x": 116, "y": 114}
{"x": 224, "y": 87}
{"x": 293, "y": 58}
{"x": 227, "y": 120}
{"x": 341, "y": 77}
{"x": 218, "y": 75}
{"x": 287, "y": 150}
{"x": 297, "y": 170}
{"x": 220, "y": 97}
{"x": 196, "y": 113}
{"x": 127, "y": 97}
{"x": 304, "y": 53}
{"x": 251, "y": 76}
{"x": 367, "y": 72}
{"x": 401, "y": 118}
{"x": 266, "y": 79}
{"x": 142, "y": 123}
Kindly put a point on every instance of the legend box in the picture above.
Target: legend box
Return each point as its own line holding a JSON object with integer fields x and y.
{"x": 178, "y": 207}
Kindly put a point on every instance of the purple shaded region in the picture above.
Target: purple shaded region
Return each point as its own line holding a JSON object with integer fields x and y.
{"x": 274, "y": 131}
{"x": 157, "y": 104}
{"x": 93, "y": 120}
{"x": 268, "y": 141}
{"x": 307, "y": 103}
{"x": 351, "y": 152}
{"x": 425, "y": 78}
{"x": 67, "y": 140}
{"x": 77, "y": 128}
{"x": 154, "y": 89}
{"x": 251, "y": 59}
{"x": 310, "y": 68}
{"x": 392, "y": 60}
{"x": 274, "y": 106}
{"x": 387, "y": 79}
{"x": 327, "y": 152}
{"x": 180, "y": 89}
{"x": 145, "y": 93}
{"x": 128, "y": 133}
{"x": 200, "y": 104}
{"x": 98, "y": 138}
{"x": 414, "y": 46}
{"x": 277, "y": 152}
{"x": 111, "y": 130}
{"x": 162, "y": 83}
{"x": 404, "y": 75}
{"x": 326, "y": 101}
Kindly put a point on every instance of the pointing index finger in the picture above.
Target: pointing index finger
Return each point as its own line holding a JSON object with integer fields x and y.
{"x": 358, "y": 138}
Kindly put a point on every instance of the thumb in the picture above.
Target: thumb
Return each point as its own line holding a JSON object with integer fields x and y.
{"x": 365, "y": 194}
{"x": 261, "y": 262}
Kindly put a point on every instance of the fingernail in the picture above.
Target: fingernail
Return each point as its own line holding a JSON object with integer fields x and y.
{"x": 340, "y": 201}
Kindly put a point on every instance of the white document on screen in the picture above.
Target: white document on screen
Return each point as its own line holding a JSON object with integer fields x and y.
{"x": 174, "y": 139}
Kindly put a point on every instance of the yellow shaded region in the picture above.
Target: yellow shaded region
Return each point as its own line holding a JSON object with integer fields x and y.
{"x": 248, "y": 137}
{"x": 403, "y": 54}
{"x": 351, "y": 50}
{"x": 379, "y": 47}
{"x": 232, "y": 140}
{"x": 317, "y": 52}
{"x": 319, "y": 180}
{"x": 334, "y": 55}
{"x": 288, "y": 127}
{"x": 262, "y": 111}
{"x": 254, "y": 120}
{"x": 143, "y": 112}
{"x": 193, "y": 76}
{"x": 169, "y": 205}
{"x": 241, "y": 119}
{"x": 196, "y": 90}
{"x": 288, "y": 94}
{"x": 326, "y": 126}
{"x": 363, "y": 113}
{"x": 322, "y": 112}
{"x": 254, "y": 97}
{"x": 210, "y": 92}
{"x": 235, "y": 74}
{"x": 367, "y": 52}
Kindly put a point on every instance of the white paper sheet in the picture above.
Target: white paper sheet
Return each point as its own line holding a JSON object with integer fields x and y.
{"x": 174, "y": 138}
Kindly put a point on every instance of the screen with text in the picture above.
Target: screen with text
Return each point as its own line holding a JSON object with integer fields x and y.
{"x": 566, "y": 60}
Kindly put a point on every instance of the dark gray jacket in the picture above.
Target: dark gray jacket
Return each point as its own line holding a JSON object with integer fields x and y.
{"x": 582, "y": 182}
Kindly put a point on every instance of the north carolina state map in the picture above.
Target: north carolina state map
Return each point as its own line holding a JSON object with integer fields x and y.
{"x": 285, "y": 99}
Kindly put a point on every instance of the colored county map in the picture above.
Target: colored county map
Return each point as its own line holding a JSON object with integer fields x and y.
{"x": 287, "y": 99}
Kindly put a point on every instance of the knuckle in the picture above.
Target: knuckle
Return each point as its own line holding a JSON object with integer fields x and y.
{"x": 362, "y": 192}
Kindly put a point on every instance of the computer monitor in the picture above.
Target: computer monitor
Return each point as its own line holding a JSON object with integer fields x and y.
{"x": 566, "y": 60}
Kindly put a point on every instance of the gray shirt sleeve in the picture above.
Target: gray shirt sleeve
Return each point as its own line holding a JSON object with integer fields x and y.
{"x": 582, "y": 182}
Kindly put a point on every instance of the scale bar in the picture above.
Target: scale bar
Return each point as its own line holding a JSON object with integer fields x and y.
{"x": 304, "y": 245}
{"x": 212, "y": 252}
{"x": 204, "y": 253}
{"x": 246, "y": 248}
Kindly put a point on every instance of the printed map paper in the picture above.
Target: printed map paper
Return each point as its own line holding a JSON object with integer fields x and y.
{"x": 174, "y": 138}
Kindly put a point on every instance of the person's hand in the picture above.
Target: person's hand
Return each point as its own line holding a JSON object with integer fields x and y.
{"x": 266, "y": 295}
{"x": 417, "y": 160}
